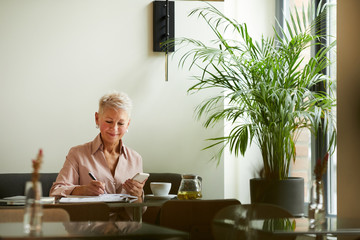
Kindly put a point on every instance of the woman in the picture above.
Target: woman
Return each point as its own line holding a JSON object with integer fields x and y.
{"x": 111, "y": 162}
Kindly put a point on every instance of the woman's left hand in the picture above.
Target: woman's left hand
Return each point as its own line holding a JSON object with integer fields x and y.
{"x": 134, "y": 188}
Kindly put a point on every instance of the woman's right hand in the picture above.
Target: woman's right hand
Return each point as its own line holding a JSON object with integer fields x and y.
{"x": 94, "y": 188}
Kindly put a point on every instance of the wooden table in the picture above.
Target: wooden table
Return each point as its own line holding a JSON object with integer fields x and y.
{"x": 91, "y": 230}
{"x": 292, "y": 227}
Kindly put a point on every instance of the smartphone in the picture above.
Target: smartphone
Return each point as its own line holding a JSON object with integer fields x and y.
{"x": 140, "y": 177}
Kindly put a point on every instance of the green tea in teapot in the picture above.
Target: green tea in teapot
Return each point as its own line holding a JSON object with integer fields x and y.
{"x": 185, "y": 195}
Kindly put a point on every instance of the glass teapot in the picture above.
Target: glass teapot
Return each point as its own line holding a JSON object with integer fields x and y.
{"x": 190, "y": 187}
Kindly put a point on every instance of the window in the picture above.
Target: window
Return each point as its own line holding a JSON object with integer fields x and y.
{"x": 331, "y": 178}
{"x": 308, "y": 148}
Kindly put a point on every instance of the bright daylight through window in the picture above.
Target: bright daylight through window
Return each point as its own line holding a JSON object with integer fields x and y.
{"x": 306, "y": 145}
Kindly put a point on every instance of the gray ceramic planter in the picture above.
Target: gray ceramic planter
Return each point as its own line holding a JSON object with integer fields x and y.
{"x": 288, "y": 194}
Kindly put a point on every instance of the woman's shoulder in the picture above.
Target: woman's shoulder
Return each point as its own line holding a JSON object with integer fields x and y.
{"x": 85, "y": 148}
{"x": 81, "y": 147}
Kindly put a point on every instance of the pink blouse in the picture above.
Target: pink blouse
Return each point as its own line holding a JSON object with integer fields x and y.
{"x": 90, "y": 157}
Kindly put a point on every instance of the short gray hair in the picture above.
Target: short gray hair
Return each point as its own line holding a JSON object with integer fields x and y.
{"x": 116, "y": 101}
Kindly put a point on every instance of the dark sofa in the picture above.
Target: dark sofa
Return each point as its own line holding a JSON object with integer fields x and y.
{"x": 13, "y": 184}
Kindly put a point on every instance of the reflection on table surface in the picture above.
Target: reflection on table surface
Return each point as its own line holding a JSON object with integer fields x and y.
{"x": 101, "y": 228}
{"x": 297, "y": 226}
{"x": 91, "y": 229}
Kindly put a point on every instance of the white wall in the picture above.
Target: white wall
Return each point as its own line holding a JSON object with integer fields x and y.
{"x": 57, "y": 58}
{"x": 259, "y": 15}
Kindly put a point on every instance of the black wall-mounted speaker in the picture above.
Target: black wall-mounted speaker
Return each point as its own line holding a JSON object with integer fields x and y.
{"x": 160, "y": 27}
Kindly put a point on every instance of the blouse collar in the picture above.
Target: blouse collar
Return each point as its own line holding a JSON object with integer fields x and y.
{"x": 97, "y": 145}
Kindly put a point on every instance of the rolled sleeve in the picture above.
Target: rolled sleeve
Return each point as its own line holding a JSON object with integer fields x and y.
{"x": 67, "y": 179}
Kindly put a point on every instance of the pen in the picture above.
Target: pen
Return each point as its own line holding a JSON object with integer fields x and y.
{"x": 94, "y": 178}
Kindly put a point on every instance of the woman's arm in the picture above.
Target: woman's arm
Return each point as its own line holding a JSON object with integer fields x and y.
{"x": 67, "y": 179}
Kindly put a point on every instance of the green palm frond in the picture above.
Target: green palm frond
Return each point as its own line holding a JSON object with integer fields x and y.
{"x": 267, "y": 85}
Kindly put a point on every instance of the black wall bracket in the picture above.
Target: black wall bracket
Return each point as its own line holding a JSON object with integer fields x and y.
{"x": 163, "y": 25}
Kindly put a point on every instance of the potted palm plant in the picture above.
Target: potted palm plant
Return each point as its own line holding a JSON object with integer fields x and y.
{"x": 267, "y": 85}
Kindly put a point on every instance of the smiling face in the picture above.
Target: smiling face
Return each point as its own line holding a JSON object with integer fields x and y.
{"x": 113, "y": 124}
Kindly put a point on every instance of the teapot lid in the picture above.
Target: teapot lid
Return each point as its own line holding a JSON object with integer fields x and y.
{"x": 189, "y": 176}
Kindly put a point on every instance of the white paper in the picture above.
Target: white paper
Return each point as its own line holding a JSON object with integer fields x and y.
{"x": 100, "y": 198}
{"x": 15, "y": 198}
